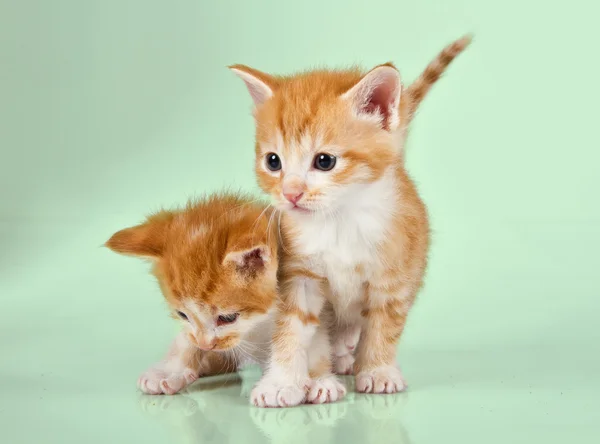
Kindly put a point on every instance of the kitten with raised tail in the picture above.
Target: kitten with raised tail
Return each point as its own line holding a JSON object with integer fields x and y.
{"x": 216, "y": 262}
{"x": 330, "y": 152}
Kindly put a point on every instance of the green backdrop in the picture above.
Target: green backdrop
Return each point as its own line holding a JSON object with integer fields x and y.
{"x": 111, "y": 109}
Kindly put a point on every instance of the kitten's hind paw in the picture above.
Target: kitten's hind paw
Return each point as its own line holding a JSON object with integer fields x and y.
{"x": 344, "y": 365}
{"x": 324, "y": 390}
{"x": 386, "y": 379}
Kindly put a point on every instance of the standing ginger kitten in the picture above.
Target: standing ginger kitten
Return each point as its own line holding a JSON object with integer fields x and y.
{"x": 329, "y": 150}
{"x": 216, "y": 263}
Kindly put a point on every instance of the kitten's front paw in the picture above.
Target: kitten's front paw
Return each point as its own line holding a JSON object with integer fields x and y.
{"x": 325, "y": 390}
{"x": 157, "y": 381}
{"x": 344, "y": 365}
{"x": 270, "y": 394}
{"x": 386, "y": 379}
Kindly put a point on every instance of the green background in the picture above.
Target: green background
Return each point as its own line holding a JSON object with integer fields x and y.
{"x": 111, "y": 109}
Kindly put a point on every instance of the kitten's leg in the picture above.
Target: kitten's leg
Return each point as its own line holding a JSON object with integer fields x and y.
{"x": 345, "y": 340}
{"x": 286, "y": 380}
{"x": 345, "y": 333}
{"x": 324, "y": 385}
{"x": 181, "y": 366}
{"x": 178, "y": 369}
{"x": 385, "y": 315}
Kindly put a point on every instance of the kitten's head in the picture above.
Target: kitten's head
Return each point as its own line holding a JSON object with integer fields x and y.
{"x": 216, "y": 263}
{"x": 321, "y": 135}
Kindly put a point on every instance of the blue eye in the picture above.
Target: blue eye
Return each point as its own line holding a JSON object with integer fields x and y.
{"x": 273, "y": 162}
{"x": 227, "y": 319}
{"x": 324, "y": 162}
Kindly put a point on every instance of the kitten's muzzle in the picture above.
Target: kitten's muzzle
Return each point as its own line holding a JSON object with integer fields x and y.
{"x": 207, "y": 346}
{"x": 203, "y": 344}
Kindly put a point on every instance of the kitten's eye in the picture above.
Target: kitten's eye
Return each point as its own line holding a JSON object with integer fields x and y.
{"x": 273, "y": 162}
{"x": 182, "y": 315}
{"x": 324, "y": 162}
{"x": 227, "y": 319}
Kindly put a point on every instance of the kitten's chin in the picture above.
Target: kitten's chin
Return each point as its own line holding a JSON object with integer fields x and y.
{"x": 295, "y": 209}
{"x": 300, "y": 210}
{"x": 225, "y": 349}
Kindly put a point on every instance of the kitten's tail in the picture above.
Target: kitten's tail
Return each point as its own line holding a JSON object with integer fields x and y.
{"x": 416, "y": 91}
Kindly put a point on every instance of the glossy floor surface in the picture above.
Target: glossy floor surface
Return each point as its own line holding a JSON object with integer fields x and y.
{"x": 70, "y": 361}
{"x": 68, "y": 373}
{"x": 491, "y": 396}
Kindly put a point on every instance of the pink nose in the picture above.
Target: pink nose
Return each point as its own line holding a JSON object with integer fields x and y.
{"x": 293, "y": 197}
{"x": 206, "y": 345}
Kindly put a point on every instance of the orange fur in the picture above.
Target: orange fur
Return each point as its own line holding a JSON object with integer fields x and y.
{"x": 417, "y": 90}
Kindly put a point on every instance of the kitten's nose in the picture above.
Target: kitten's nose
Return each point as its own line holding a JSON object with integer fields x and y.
{"x": 293, "y": 197}
{"x": 206, "y": 346}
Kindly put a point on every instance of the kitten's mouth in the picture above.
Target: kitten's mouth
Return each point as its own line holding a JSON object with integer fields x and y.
{"x": 220, "y": 349}
{"x": 299, "y": 209}
{"x": 293, "y": 208}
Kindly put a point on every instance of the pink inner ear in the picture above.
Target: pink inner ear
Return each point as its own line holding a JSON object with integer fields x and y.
{"x": 381, "y": 101}
{"x": 253, "y": 259}
{"x": 258, "y": 95}
{"x": 249, "y": 262}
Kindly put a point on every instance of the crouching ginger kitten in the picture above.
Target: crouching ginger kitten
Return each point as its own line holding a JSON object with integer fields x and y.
{"x": 216, "y": 263}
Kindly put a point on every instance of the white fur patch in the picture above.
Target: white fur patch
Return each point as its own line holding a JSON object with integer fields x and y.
{"x": 325, "y": 390}
{"x": 198, "y": 231}
{"x": 381, "y": 380}
{"x": 337, "y": 242}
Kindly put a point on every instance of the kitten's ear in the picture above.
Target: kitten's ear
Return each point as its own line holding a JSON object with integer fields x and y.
{"x": 260, "y": 85}
{"x": 249, "y": 261}
{"x": 377, "y": 96}
{"x": 145, "y": 240}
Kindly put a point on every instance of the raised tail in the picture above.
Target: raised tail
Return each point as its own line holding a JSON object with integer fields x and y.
{"x": 416, "y": 91}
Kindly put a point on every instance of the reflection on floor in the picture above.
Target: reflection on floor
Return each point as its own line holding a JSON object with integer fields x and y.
{"x": 212, "y": 410}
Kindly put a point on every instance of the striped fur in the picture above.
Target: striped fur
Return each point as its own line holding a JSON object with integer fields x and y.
{"x": 416, "y": 91}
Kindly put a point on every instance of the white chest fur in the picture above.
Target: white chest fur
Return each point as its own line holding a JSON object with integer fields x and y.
{"x": 344, "y": 246}
{"x": 255, "y": 347}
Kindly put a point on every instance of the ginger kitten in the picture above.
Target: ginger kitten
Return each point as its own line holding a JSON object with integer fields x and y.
{"x": 329, "y": 151}
{"x": 216, "y": 263}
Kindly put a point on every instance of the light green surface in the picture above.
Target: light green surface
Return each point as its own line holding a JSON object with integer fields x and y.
{"x": 110, "y": 109}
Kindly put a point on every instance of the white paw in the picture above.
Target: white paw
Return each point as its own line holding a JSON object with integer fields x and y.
{"x": 325, "y": 390}
{"x": 270, "y": 394}
{"x": 344, "y": 365}
{"x": 158, "y": 381}
{"x": 386, "y": 379}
